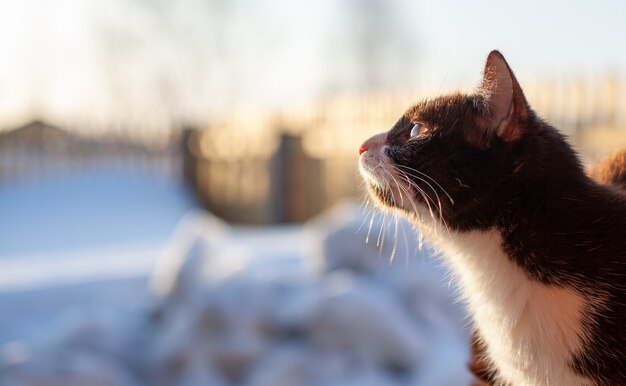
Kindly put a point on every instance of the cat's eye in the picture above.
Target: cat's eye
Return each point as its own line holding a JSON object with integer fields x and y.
{"x": 417, "y": 129}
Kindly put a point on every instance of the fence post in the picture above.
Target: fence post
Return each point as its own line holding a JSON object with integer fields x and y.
{"x": 290, "y": 181}
{"x": 188, "y": 141}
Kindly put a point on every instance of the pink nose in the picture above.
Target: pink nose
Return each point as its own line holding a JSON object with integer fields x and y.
{"x": 372, "y": 143}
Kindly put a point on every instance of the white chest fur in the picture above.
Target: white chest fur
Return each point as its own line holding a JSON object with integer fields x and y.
{"x": 530, "y": 329}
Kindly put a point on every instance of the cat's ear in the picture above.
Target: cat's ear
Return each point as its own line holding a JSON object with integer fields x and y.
{"x": 501, "y": 101}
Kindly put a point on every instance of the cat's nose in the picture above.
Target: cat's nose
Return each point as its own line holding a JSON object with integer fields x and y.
{"x": 373, "y": 143}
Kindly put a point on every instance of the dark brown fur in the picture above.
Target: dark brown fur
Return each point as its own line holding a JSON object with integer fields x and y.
{"x": 485, "y": 375}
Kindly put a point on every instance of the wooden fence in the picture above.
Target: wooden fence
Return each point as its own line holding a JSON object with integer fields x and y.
{"x": 40, "y": 150}
{"x": 291, "y": 165}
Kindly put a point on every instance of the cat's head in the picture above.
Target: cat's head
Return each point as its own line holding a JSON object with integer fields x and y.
{"x": 461, "y": 158}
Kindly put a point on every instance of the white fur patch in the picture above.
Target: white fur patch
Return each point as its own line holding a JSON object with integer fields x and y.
{"x": 530, "y": 329}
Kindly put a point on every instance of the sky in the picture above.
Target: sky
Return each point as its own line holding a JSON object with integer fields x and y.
{"x": 537, "y": 37}
{"x": 101, "y": 63}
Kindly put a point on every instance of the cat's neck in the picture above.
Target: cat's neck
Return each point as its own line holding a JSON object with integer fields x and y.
{"x": 561, "y": 224}
{"x": 514, "y": 313}
{"x": 527, "y": 279}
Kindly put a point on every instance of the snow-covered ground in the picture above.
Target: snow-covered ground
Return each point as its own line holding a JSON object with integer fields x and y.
{"x": 190, "y": 300}
{"x": 97, "y": 208}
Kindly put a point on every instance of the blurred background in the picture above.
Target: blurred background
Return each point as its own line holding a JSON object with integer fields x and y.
{"x": 179, "y": 196}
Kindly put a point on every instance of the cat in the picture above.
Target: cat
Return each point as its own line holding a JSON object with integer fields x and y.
{"x": 536, "y": 246}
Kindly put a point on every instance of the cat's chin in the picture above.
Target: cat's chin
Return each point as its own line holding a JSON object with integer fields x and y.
{"x": 382, "y": 195}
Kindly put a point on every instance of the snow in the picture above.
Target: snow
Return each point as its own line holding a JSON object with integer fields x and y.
{"x": 98, "y": 207}
{"x": 195, "y": 301}
{"x": 63, "y": 268}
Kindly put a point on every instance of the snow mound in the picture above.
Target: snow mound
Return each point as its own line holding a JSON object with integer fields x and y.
{"x": 344, "y": 315}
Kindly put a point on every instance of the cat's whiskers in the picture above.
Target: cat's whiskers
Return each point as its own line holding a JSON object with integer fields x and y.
{"x": 395, "y": 240}
{"x": 426, "y": 196}
{"x": 380, "y": 242}
{"x": 415, "y": 212}
{"x": 436, "y": 204}
{"x": 439, "y": 204}
{"x": 368, "y": 210}
{"x": 385, "y": 231}
{"x": 423, "y": 193}
{"x": 372, "y": 212}
{"x": 372, "y": 180}
{"x": 380, "y": 232}
{"x": 398, "y": 186}
{"x": 394, "y": 214}
{"x": 367, "y": 238}
{"x": 384, "y": 184}
{"x": 410, "y": 170}
{"x": 393, "y": 198}
{"x": 400, "y": 189}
